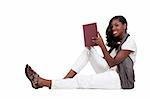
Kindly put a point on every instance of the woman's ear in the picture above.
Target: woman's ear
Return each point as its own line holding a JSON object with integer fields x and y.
{"x": 125, "y": 26}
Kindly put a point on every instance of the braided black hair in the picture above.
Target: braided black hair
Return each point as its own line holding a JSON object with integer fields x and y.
{"x": 112, "y": 41}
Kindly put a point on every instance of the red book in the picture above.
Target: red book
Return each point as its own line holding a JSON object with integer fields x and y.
{"x": 90, "y": 30}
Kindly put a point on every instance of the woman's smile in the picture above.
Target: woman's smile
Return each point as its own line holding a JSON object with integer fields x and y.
{"x": 115, "y": 32}
{"x": 118, "y": 28}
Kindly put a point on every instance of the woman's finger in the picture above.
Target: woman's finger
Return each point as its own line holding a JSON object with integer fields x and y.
{"x": 98, "y": 34}
{"x": 93, "y": 38}
{"x": 93, "y": 41}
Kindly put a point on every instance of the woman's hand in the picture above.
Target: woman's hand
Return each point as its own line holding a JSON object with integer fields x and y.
{"x": 98, "y": 40}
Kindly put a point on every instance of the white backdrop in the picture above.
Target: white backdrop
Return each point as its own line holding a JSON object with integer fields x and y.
{"x": 48, "y": 35}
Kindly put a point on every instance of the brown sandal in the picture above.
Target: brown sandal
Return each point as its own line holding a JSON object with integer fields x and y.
{"x": 32, "y": 76}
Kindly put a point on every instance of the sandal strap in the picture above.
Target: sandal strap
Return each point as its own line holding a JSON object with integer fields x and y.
{"x": 33, "y": 77}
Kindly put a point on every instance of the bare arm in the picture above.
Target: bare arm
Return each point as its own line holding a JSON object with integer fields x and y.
{"x": 121, "y": 55}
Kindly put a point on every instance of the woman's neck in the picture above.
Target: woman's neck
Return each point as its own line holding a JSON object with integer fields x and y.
{"x": 121, "y": 36}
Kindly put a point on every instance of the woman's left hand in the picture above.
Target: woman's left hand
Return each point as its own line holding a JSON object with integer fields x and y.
{"x": 98, "y": 40}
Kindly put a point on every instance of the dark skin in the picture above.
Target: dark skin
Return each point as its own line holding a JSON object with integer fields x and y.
{"x": 118, "y": 31}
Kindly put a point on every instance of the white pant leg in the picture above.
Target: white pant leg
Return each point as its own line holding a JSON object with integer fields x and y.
{"x": 69, "y": 83}
{"x": 107, "y": 80}
{"x": 81, "y": 61}
{"x": 98, "y": 63}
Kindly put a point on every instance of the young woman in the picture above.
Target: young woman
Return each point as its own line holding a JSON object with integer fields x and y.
{"x": 113, "y": 71}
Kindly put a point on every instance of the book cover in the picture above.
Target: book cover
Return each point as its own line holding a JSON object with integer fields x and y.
{"x": 89, "y": 30}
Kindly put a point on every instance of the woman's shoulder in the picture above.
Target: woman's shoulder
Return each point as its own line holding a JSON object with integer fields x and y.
{"x": 130, "y": 39}
{"x": 129, "y": 43}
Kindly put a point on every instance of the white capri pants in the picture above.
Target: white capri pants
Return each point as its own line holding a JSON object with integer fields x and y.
{"x": 104, "y": 78}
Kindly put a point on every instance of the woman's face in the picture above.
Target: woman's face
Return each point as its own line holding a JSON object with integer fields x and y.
{"x": 118, "y": 29}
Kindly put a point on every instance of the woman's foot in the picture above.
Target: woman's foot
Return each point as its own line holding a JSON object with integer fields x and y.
{"x": 33, "y": 77}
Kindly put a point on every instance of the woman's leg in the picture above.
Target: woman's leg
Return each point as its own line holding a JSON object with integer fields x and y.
{"x": 89, "y": 54}
{"x": 70, "y": 74}
{"x": 81, "y": 61}
{"x": 44, "y": 82}
{"x": 98, "y": 63}
{"x": 106, "y": 80}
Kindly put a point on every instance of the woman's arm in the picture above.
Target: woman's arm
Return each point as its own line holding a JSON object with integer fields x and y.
{"x": 121, "y": 55}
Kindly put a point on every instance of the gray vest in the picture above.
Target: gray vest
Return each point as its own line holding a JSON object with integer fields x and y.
{"x": 125, "y": 69}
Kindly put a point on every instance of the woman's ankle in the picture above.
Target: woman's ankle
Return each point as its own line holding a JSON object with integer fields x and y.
{"x": 70, "y": 74}
{"x": 44, "y": 82}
